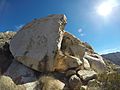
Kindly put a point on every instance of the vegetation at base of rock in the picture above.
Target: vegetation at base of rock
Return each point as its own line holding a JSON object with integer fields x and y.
{"x": 110, "y": 81}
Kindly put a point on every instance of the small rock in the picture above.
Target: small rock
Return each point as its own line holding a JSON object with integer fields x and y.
{"x": 75, "y": 82}
{"x": 31, "y": 85}
{"x": 87, "y": 75}
{"x": 49, "y": 83}
{"x": 70, "y": 73}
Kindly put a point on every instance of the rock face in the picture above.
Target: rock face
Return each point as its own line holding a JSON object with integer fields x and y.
{"x": 20, "y": 73}
{"x": 96, "y": 62}
{"x": 75, "y": 82}
{"x": 86, "y": 75}
{"x": 64, "y": 62}
{"x": 37, "y": 43}
{"x": 72, "y": 46}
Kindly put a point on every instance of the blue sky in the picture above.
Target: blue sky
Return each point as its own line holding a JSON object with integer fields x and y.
{"x": 103, "y": 33}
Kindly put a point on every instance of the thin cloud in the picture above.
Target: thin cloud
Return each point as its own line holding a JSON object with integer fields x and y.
{"x": 19, "y": 26}
{"x": 80, "y": 31}
{"x": 110, "y": 50}
{"x": 82, "y": 34}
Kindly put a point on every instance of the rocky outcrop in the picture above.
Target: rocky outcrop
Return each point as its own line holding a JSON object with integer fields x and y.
{"x": 48, "y": 58}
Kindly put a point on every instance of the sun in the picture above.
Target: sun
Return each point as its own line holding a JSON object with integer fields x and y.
{"x": 106, "y": 8}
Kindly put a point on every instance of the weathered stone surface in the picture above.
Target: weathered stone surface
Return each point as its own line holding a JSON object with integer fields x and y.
{"x": 49, "y": 83}
{"x": 70, "y": 73}
{"x": 75, "y": 82}
{"x": 87, "y": 75}
{"x": 5, "y": 54}
{"x": 31, "y": 86}
{"x": 86, "y": 64}
{"x": 72, "y": 46}
{"x": 20, "y": 74}
{"x": 37, "y": 43}
{"x": 88, "y": 48}
{"x": 96, "y": 62}
{"x": 64, "y": 62}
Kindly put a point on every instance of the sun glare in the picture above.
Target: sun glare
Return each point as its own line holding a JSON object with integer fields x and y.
{"x": 106, "y": 8}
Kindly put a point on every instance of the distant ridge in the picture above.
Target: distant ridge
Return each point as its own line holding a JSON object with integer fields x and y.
{"x": 113, "y": 57}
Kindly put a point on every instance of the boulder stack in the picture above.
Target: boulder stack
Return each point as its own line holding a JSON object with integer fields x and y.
{"x": 43, "y": 47}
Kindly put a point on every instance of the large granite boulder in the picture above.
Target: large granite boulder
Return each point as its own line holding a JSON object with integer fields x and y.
{"x": 96, "y": 62}
{"x": 37, "y": 43}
